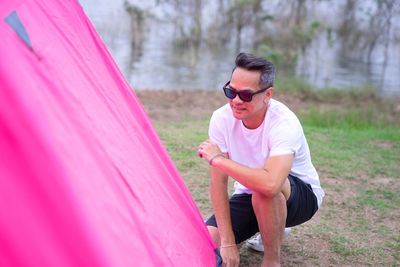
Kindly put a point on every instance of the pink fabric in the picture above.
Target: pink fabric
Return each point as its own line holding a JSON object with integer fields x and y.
{"x": 84, "y": 177}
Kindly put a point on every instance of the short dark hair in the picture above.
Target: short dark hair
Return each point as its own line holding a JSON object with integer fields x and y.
{"x": 250, "y": 62}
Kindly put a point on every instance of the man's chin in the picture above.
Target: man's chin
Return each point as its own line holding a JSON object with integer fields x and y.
{"x": 238, "y": 115}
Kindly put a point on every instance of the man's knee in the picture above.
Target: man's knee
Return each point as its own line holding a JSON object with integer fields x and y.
{"x": 260, "y": 199}
{"x": 284, "y": 191}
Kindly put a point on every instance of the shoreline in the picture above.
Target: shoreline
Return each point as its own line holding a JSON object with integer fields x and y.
{"x": 181, "y": 105}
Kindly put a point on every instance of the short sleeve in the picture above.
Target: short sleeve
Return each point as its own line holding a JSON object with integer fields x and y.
{"x": 216, "y": 132}
{"x": 285, "y": 138}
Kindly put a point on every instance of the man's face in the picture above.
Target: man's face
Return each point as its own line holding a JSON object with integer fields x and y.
{"x": 249, "y": 112}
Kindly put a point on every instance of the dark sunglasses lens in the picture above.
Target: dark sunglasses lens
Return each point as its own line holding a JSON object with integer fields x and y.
{"x": 229, "y": 93}
{"x": 245, "y": 96}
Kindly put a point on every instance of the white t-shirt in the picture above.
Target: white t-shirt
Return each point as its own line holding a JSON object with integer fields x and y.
{"x": 280, "y": 133}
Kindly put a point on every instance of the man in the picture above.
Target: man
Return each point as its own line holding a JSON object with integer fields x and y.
{"x": 260, "y": 143}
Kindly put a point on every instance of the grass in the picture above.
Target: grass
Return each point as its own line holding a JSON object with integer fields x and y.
{"x": 298, "y": 85}
{"x": 359, "y": 175}
{"x": 361, "y": 178}
{"x": 356, "y": 151}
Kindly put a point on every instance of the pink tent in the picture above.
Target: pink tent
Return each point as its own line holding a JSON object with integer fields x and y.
{"x": 84, "y": 177}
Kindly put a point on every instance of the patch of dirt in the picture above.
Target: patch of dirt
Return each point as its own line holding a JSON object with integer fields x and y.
{"x": 384, "y": 144}
{"x": 386, "y": 181}
{"x": 167, "y": 106}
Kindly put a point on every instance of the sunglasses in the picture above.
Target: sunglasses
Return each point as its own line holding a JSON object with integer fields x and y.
{"x": 245, "y": 95}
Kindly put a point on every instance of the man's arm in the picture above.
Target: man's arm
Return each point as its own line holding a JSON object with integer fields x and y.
{"x": 267, "y": 180}
{"x": 220, "y": 200}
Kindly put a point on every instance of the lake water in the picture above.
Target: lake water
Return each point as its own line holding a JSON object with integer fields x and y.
{"x": 161, "y": 65}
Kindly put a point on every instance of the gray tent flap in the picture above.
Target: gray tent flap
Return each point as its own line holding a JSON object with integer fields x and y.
{"x": 15, "y": 23}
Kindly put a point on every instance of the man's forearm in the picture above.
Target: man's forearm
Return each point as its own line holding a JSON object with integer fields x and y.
{"x": 267, "y": 179}
{"x": 219, "y": 198}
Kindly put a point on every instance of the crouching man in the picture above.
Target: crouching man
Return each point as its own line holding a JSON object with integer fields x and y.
{"x": 260, "y": 143}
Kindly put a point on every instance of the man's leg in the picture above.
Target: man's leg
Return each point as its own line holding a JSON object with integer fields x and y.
{"x": 244, "y": 221}
{"x": 271, "y": 216}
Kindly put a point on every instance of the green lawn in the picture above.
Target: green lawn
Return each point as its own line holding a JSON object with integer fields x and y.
{"x": 359, "y": 167}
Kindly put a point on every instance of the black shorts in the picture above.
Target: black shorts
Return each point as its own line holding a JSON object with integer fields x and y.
{"x": 301, "y": 206}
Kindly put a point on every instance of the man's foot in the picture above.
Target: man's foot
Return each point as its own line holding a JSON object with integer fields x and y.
{"x": 257, "y": 244}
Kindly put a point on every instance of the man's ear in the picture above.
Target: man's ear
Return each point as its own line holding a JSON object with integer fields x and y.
{"x": 268, "y": 93}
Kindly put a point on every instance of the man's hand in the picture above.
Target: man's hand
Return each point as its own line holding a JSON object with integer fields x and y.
{"x": 207, "y": 149}
{"x": 230, "y": 256}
